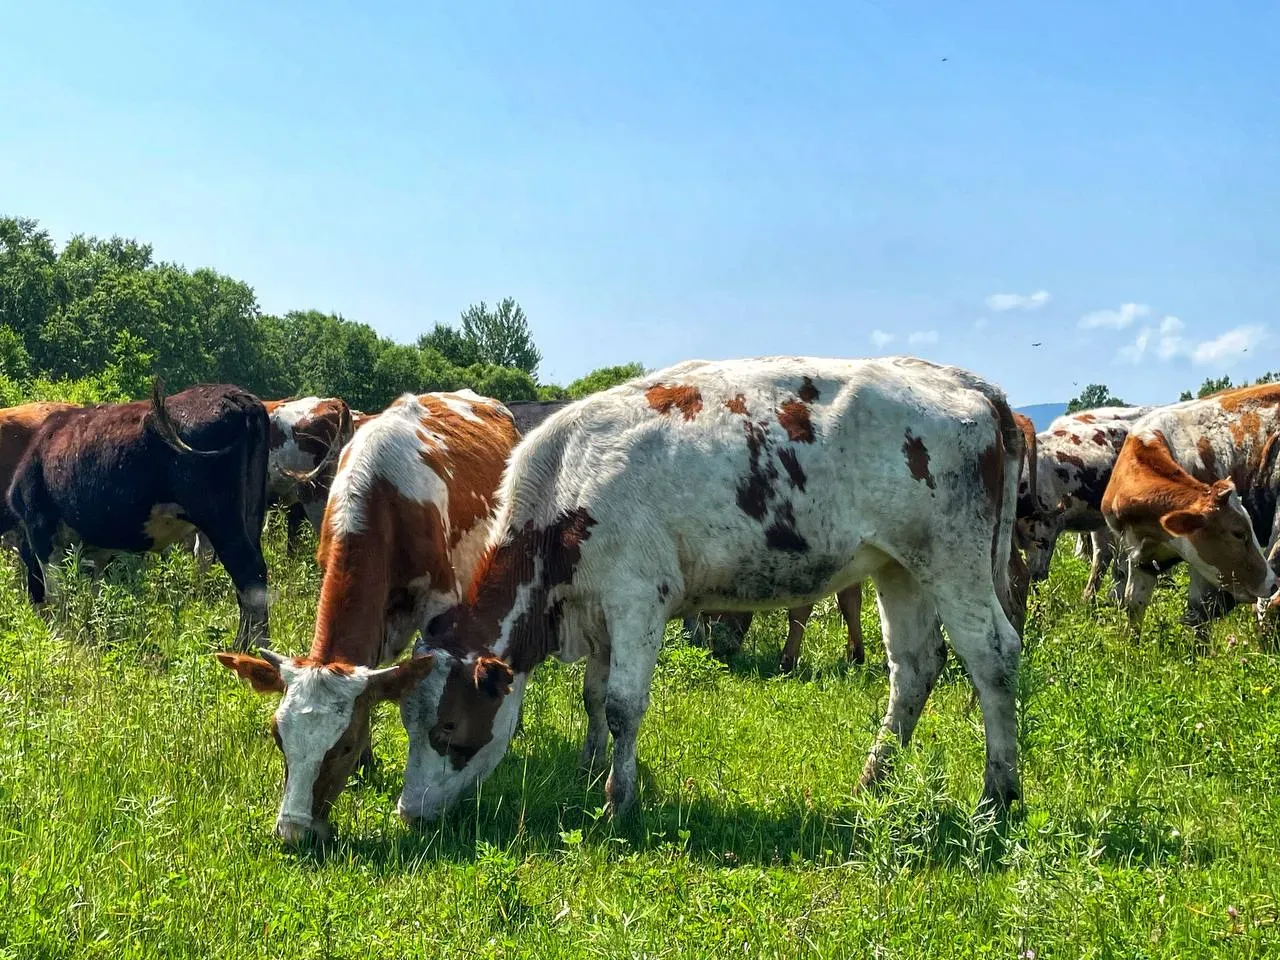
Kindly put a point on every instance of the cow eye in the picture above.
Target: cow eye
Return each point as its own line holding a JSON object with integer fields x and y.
{"x": 1241, "y": 535}
{"x": 448, "y": 727}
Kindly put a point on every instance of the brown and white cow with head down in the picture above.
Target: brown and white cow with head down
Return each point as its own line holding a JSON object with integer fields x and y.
{"x": 1074, "y": 459}
{"x": 407, "y": 520}
{"x": 1199, "y": 481}
{"x": 735, "y": 485}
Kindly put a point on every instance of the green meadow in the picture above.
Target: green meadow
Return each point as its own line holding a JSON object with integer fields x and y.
{"x": 139, "y": 783}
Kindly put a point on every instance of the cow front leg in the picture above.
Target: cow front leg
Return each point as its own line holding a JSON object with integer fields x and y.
{"x": 1139, "y": 585}
{"x": 1102, "y": 551}
{"x": 635, "y": 634}
{"x": 850, "y": 602}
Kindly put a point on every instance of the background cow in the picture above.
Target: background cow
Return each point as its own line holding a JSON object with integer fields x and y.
{"x": 741, "y": 485}
{"x": 407, "y": 519}
{"x": 1198, "y": 481}
{"x": 138, "y": 476}
{"x": 1074, "y": 459}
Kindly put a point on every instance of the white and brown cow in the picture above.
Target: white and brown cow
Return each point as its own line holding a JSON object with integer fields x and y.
{"x": 747, "y": 485}
{"x": 1074, "y": 459}
{"x": 306, "y": 435}
{"x": 1198, "y": 481}
{"x": 407, "y": 519}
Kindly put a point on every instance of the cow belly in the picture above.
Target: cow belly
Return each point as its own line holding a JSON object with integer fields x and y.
{"x": 129, "y": 528}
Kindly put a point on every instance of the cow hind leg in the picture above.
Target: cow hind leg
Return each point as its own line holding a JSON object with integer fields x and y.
{"x": 245, "y": 565}
{"x": 990, "y": 649}
{"x": 915, "y": 651}
{"x": 293, "y": 519}
{"x": 850, "y": 602}
{"x": 797, "y": 617}
{"x": 1101, "y": 559}
{"x": 595, "y": 690}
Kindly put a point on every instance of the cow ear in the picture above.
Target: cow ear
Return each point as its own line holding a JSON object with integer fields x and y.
{"x": 1222, "y": 491}
{"x": 392, "y": 683}
{"x": 1182, "y": 523}
{"x": 264, "y": 677}
{"x": 493, "y": 677}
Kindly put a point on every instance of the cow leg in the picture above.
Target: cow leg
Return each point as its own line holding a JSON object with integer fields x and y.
{"x": 293, "y": 519}
{"x": 1101, "y": 558}
{"x": 850, "y": 602}
{"x": 245, "y": 565}
{"x": 635, "y": 633}
{"x": 1119, "y": 572}
{"x": 915, "y": 651}
{"x": 990, "y": 649}
{"x": 204, "y": 554}
{"x": 1141, "y": 583}
{"x": 1206, "y": 602}
{"x": 797, "y": 617}
{"x": 595, "y": 690}
{"x": 35, "y": 549}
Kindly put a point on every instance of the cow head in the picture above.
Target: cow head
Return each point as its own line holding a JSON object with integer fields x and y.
{"x": 321, "y": 726}
{"x": 460, "y": 722}
{"x": 1215, "y": 535}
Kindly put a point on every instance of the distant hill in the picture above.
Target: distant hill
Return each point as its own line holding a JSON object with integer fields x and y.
{"x": 1042, "y": 414}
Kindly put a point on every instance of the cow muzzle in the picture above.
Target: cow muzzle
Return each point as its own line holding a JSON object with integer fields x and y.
{"x": 297, "y": 833}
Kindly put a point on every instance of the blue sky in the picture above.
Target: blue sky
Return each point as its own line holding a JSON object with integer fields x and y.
{"x": 665, "y": 180}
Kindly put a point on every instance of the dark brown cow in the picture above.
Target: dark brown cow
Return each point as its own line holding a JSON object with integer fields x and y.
{"x": 136, "y": 477}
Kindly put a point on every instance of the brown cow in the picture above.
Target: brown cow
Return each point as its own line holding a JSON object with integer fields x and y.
{"x": 17, "y": 426}
{"x": 407, "y": 519}
{"x": 1198, "y": 481}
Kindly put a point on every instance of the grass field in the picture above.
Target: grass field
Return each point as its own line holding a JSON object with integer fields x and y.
{"x": 139, "y": 783}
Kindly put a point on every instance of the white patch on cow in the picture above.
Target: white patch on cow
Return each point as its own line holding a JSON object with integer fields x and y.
{"x": 467, "y": 552}
{"x": 385, "y": 448}
{"x": 312, "y": 715}
{"x": 431, "y": 784}
{"x": 459, "y": 405}
{"x": 288, "y": 457}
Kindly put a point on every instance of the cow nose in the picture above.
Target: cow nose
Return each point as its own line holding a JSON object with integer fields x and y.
{"x": 296, "y": 834}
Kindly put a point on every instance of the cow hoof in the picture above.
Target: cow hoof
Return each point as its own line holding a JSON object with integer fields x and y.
{"x": 786, "y": 664}
{"x": 856, "y": 657}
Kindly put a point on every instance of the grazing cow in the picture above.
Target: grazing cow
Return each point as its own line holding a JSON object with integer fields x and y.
{"x": 1198, "y": 481}
{"x": 135, "y": 477}
{"x": 736, "y": 485}
{"x": 17, "y": 426}
{"x": 407, "y": 520}
{"x": 1073, "y": 464}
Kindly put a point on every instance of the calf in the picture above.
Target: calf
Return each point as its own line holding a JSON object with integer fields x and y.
{"x": 17, "y": 426}
{"x": 1198, "y": 481}
{"x": 137, "y": 477}
{"x": 736, "y": 485}
{"x": 1074, "y": 459}
{"x": 406, "y": 521}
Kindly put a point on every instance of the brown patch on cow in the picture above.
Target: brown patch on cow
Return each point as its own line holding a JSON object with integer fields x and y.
{"x": 276, "y": 436}
{"x": 991, "y": 465}
{"x": 737, "y": 405}
{"x": 755, "y": 489}
{"x": 1207, "y": 456}
{"x": 1085, "y": 417}
{"x": 808, "y": 392}
{"x": 664, "y": 399}
{"x": 464, "y": 721}
{"x": 918, "y": 459}
{"x": 468, "y": 456}
{"x": 1071, "y": 458}
{"x": 1245, "y": 427}
{"x": 502, "y": 571}
{"x": 793, "y": 416}
{"x": 782, "y": 533}
{"x": 1100, "y": 438}
{"x": 1060, "y": 433}
{"x": 1245, "y": 398}
{"x": 1075, "y": 439}
{"x": 791, "y": 464}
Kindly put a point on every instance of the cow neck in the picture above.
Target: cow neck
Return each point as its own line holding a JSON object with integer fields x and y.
{"x": 351, "y": 615}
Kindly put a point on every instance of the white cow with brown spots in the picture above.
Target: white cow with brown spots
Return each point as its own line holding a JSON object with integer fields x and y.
{"x": 735, "y": 485}
{"x": 1074, "y": 459}
{"x": 1199, "y": 481}
{"x": 407, "y": 519}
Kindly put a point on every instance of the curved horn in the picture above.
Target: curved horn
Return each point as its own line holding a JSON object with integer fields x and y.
{"x": 340, "y": 439}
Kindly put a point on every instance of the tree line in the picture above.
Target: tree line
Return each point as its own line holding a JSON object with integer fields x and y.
{"x": 93, "y": 321}
{"x": 1099, "y": 395}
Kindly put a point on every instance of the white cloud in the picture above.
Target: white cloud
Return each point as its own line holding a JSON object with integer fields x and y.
{"x": 980, "y": 323}
{"x": 1134, "y": 352}
{"x": 1227, "y": 348}
{"x": 1115, "y": 319}
{"x": 1170, "y": 325}
{"x": 880, "y": 339}
{"x": 1001, "y": 302}
{"x": 922, "y": 337}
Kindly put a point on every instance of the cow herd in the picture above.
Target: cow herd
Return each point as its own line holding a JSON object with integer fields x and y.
{"x": 499, "y": 536}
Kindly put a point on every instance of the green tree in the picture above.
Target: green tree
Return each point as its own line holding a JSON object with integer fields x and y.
{"x": 501, "y": 335}
{"x": 501, "y": 383}
{"x": 1093, "y": 396}
{"x": 14, "y": 361}
{"x": 457, "y": 349}
{"x": 603, "y": 378}
{"x": 1271, "y": 376}
{"x": 552, "y": 391}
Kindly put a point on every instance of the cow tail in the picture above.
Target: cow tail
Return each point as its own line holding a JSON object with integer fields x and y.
{"x": 159, "y": 420}
{"x": 1012, "y": 450}
{"x": 257, "y": 452}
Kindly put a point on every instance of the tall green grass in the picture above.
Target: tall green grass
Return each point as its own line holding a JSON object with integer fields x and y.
{"x": 138, "y": 788}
